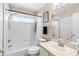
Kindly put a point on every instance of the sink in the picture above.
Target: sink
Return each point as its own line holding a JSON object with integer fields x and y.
{"x": 53, "y": 43}
{"x": 59, "y": 49}
{"x": 53, "y": 48}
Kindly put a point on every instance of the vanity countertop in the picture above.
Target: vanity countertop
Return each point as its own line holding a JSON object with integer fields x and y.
{"x": 52, "y": 47}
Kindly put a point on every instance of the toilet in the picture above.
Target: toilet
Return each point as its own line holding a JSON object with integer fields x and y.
{"x": 41, "y": 40}
{"x": 33, "y": 51}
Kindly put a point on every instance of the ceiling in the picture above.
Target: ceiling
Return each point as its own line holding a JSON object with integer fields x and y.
{"x": 31, "y": 6}
{"x": 65, "y": 7}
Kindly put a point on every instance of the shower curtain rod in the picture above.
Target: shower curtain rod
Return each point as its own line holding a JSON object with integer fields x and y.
{"x": 22, "y": 12}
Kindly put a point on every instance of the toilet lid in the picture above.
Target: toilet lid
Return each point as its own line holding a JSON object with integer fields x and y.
{"x": 33, "y": 48}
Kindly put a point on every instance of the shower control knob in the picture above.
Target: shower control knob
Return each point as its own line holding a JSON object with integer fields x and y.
{"x": 9, "y": 40}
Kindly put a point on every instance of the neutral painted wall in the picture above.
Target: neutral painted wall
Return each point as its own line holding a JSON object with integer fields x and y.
{"x": 47, "y": 7}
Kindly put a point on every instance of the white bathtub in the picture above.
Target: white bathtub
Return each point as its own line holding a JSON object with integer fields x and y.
{"x": 20, "y": 52}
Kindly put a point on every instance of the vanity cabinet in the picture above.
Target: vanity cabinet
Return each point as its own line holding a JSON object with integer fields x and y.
{"x": 43, "y": 52}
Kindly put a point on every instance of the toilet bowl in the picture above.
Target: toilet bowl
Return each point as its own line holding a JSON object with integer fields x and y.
{"x": 33, "y": 50}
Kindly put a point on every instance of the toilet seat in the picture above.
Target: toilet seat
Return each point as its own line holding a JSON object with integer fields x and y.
{"x": 33, "y": 49}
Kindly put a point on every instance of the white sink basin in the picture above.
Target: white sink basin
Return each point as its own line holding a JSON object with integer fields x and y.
{"x": 59, "y": 49}
{"x": 53, "y": 48}
{"x": 53, "y": 43}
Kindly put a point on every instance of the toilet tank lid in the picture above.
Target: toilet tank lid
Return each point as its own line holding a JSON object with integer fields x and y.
{"x": 33, "y": 48}
{"x": 41, "y": 39}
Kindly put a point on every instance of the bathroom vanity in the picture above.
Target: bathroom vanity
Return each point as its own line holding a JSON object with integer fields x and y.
{"x": 53, "y": 49}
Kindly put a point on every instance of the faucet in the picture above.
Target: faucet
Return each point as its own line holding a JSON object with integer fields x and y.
{"x": 60, "y": 43}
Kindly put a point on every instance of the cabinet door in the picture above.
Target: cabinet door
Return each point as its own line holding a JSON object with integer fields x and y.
{"x": 43, "y": 52}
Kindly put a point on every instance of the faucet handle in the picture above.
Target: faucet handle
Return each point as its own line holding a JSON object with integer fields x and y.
{"x": 61, "y": 43}
{"x": 9, "y": 40}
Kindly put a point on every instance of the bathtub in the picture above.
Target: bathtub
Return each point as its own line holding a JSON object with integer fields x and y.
{"x": 19, "y": 52}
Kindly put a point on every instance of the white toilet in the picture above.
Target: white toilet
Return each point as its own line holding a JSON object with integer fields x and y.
{"x": 33, "y": 50}
{"x": 41, "y": 40}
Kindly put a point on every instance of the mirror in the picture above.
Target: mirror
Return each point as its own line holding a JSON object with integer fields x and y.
{"x": 66, "y": 27}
